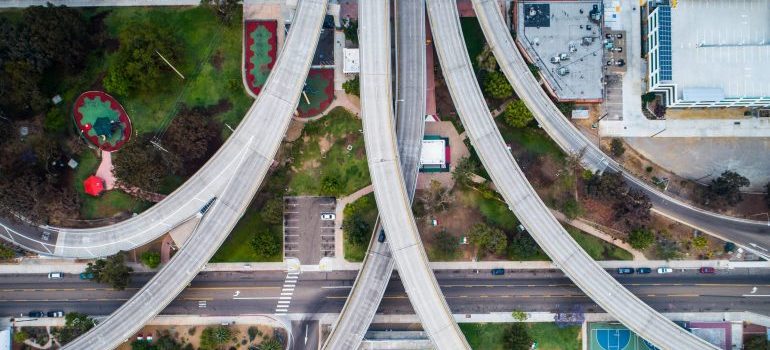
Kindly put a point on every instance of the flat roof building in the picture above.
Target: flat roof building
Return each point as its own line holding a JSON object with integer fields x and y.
{"x": 434, "y": 154}
{"x": 709, "y": 54}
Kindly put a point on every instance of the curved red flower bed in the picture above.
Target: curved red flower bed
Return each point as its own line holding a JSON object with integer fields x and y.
{"x": 97, "y": 107}
{"x": 256, "y": 74}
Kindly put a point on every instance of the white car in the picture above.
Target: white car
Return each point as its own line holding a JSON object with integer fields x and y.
{"x": 665, "y": 270}
{"x": 327, "y": 216}
{"x": 55, "y": 275}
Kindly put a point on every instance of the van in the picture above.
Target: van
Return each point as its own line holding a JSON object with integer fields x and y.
{"x": 55, "y": 275}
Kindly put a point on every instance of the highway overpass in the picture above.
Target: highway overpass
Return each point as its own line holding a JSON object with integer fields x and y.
{"x": 272, "y": 112}
{"x": 389, "y": 188}
{"x": 524, "y": 201}
{"x": 367, "y": 292}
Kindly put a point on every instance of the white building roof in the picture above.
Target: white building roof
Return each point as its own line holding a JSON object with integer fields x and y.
{"x": 721, "y": 44}
{"x": 350, "y": 61}
{"x": 433, "y": 152}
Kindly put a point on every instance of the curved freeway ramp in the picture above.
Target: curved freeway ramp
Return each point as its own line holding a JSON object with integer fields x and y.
{"x": 273, "y": 111}
{"x": 389, "y": 188}
{"x": 369, "y": 287}
{"x": 524, "y": 201}
{"x": 750, "y": 234}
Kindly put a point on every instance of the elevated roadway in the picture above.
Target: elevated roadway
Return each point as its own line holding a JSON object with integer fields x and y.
{"x": 522, "y": 199}
{"x": 389, "y": 187}
{"x": 752, "y": 235}
{"x": 272, "y": 112}
{"x": 372, "y": 280}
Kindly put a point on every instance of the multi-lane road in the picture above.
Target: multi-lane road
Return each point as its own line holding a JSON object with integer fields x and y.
{"x": 466, "y": 292}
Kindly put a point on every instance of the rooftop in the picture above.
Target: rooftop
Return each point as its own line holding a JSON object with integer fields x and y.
{"x": 548, "y": 29}
{"x": 721, "y": 44}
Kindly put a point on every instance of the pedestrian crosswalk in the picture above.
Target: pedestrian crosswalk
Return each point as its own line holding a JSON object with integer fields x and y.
{"x": 287, "y": 291}
{"x": 201, "y": 304}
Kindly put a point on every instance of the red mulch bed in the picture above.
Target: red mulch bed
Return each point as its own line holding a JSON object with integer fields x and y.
{"x": 103, "y": 96}
{"x": 249, "y": 27}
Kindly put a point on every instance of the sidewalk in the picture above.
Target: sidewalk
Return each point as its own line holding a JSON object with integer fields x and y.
{"x": 589, "y": 229}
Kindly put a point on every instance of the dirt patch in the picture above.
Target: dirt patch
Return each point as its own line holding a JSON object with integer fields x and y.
{"x": 294, "y": 131}
{"x": 216, "y": 60}
{"x": 456, "y": 220}
{"x": 325, "y": 143}
{"x": 191, "y": 334}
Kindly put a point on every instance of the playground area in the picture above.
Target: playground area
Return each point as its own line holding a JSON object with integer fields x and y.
{"x": 260, "y": 48}
{"x": 101, "y": 120}
{"x": 317, "y": 94}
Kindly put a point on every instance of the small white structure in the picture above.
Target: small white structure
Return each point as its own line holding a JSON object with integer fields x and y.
{"x": 580, "y": 113}
{"x": 433, "y": 154}
{"x": 350, "y": 63}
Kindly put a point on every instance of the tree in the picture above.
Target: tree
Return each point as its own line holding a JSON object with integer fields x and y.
{"x": 75, "y": 324}
{"x": 265, "y": 243}
{"x": 213, "y": 337}
{"x": 648, "y": 97}
{"x": 112, "y": 271}
{"x": 446, "y": 244}
{"x": 641, "y": 238}
{"x": 272, "y": 211}
{"x": 700, "y": 242}
{"x": 517, "y": 114}
{"x": 358, "y": 221}
{"x": 150, "y": 259}
{"x": 356, "y": 229}
{"x": 616, "y": 146}
{"x": 464, "y": 170}
{"x": 517, "y": 337}
{"x": 137, "y": 64}
{"x": 668, "y": 249}
{"x": 488, "y": 239}
{"x": 6, "y": 253}
{"x": 436, "y": 198}
{"x": 522, "y": 247}
{"x": 192, "y": 136}
{"x": 497, "y": 86}
{"x": 633, "y": 209}
{"x": 20, "y": 336}
{"x": 756, "y": 342}
{"x": 726, "y": 189}
{"x": 224, "y": 9}
{"x": 608, "y": 185}
{"x": 352, "y": 86}
{"x": 270, "y": 344}
{"x": 571, "y": 208}
{"x": 142, "y": 165}
{"x": 486, "y": 59}
{"x": 519, "y": 315}
{"x": 351, "y": 31}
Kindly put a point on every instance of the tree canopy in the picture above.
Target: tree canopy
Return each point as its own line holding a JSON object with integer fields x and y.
{"x": 112, "y": 271}
{"x": 75, "y": 324}
{"x": 266, "y": 243}
{"x": 142, "y": 165}
{"x": 272, "y": 211}
{"x": 517, "y": 337}
{"x": 488, "y": 239}
{"x": 726, "y": 189}
{"x": 496, "y": 86}
{"x": 517, "y": 115}
{"x": 226, "y": 10}
{"x": 150, "y": 259}
{"x": 617, "y": 148}
{"x": 352, "y": 86}
{"x": 641, "y": 238}
{"x": 137, "y": 64}
{"x": 193, "y": 136}
{"x": 215, "y": 336}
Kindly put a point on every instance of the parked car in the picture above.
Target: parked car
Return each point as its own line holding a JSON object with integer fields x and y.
{"x": 56, "y": 313}
{"x": 616, "y": 49}
{"x": 327, "y": 216}
{"x": 643, "y": 270}
{"x": 663, "y": 270}
{"x": 498, "y": 272}
{"x": 35, "y": 313}
{"x": 55, "y": 275}
{"x": 86, "y": 275}
{"x": 707, "y": 269}
{"x": 381, "y": 237}
{"x": 625, "y": 270}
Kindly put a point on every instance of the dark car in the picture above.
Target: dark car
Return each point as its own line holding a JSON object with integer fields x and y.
{"x": 706, "y": 269}
{"x": 498, "y": 272}
{"x": 643, "y": 270}
{"x": 625, "y": 271}
{"x": 86, "y": 276}
{"x": 35, "y": 314}
{"x": 381, "y": 237}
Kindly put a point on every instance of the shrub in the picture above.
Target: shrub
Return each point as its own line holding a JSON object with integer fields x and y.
{"x": 150, "y": 259}
{"x": 352, "y": 86}
{"x": 517, "y": 114}
{"x": 496, "y": 86}
{"x": 616, "y": 146}
{"x": 641, "y": 238}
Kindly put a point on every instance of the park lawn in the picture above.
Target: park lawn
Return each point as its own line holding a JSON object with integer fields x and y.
{"x": 368, "y": 211}
{"x": 489, "y": 336}
{"x": 474, "y": 38}
{"x": 109, "y": 203}
{"x": 209, "y": 58}
{"x": 532, "y": 140}
{"x": 597, "y": 248}
{"x": 334, "y": 132}
{"x": 236, "y": 247}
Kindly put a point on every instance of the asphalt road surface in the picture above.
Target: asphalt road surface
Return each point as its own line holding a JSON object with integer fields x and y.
{"x": 466, "y": 292}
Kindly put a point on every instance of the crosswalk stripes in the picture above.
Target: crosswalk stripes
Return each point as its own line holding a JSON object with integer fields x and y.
{"x": 201, "y": 304}
{"x": 284, "y": 300}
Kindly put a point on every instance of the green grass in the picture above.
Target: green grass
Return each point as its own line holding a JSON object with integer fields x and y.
{"x": 236, "y": 247}
{"x": 341, "y": 129}
{"x": 489, "y": 336}
{"x": 474, "y": 38}
{"x": 532, "y": 140}
{"x": 200, "y": 37}
{"x": 111, "y": 202}
{"x": 368, "y": 210}
{"x": 597, "y": 248}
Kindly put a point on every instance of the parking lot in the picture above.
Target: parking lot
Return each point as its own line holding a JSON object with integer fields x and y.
{"x": 306, "y": 235}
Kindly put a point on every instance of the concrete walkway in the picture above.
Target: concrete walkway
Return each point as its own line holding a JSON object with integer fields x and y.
{"x": 341, "y": 99}
{"x": 339, "y": 241}
{"x": 588, "y": 228}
